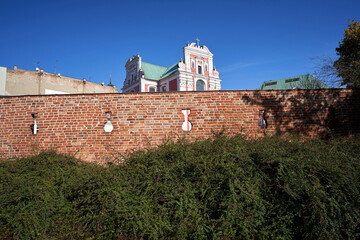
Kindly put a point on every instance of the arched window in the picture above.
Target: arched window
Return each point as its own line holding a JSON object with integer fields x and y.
{"x": 200, "y": 85}
{"x": 152, "y": 89}
{"x": 199, "y": 70}
{"x": 192, "y": 64}
{"x": 206, "y": 67}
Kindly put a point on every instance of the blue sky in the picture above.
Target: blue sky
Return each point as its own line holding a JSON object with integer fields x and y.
{"x": 252, "y": 41}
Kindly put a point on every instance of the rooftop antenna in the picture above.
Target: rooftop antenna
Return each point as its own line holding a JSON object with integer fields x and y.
{"x": 110, "y": 84}
{"x": 198, "y": 40}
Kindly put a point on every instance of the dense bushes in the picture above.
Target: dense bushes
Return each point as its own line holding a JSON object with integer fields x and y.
{"x": 224, "y": 188}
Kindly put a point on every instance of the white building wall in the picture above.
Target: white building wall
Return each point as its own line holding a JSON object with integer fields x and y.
{"x": 145, "y": 84}
{"x": 2, "y": 80}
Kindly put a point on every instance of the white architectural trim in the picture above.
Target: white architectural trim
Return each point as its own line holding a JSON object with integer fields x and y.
{"x": 2, "y": 80}
{"x": 50, "y": 92}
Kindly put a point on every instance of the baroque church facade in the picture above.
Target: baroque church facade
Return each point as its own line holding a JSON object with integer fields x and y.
{"x": 193, "y": 73}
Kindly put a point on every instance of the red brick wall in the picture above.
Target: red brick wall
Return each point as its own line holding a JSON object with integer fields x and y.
{"x": 75, "y": 123}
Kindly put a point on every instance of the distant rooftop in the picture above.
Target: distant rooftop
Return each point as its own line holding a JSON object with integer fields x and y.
{"x": 299, "y": 82}
{"x": 38, "y": 70}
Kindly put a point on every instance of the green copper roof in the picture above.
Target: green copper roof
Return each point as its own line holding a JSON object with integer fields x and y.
{"x": 155, "y": 72}
{"x": 170, "y": 70}
{"x": 302, "y": 82}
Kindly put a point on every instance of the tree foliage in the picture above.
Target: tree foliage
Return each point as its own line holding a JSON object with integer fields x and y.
{"x": 348, "y": 64}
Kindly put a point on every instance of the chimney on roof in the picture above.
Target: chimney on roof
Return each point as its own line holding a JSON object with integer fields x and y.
{"x": 15, "y": 67}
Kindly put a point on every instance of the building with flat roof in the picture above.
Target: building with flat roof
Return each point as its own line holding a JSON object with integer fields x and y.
{"x": 26, "y": 82}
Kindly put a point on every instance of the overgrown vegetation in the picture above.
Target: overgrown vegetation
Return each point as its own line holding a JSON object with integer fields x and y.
{"x": 224, "y": 188}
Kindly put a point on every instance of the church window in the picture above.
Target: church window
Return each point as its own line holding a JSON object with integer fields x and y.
{"x": 163, "y": 88}
{"x": 200, "y": 85}
{"x": 192, "y": 64}
{"x": 199, "y": 70}
{"x": 206, "y": 68}
{"x": 151, "y": 89}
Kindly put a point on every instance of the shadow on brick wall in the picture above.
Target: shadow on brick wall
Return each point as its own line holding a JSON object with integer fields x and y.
{"x": 310, "y": 112}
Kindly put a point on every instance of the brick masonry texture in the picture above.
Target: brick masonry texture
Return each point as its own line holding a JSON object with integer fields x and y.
{"x": 74, "y": 124}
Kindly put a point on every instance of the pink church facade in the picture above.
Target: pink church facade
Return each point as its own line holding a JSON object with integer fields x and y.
{"x": 195, "y": 72}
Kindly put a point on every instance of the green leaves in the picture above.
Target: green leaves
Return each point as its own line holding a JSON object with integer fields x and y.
{"x": 348, "y": 64}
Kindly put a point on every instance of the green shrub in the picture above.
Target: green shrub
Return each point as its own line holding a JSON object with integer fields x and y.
{"x": 221, "y": 188}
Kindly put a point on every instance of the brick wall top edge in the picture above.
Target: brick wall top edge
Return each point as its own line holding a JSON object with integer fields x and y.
{"x": 189, "y": 92}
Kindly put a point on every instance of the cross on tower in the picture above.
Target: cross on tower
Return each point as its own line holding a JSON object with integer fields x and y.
{"x": 198, "y": 40}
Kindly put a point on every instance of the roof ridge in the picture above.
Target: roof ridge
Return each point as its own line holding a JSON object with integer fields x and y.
{"x": 289, "y": 77}
{"x": 172, "y": 66}
{"x": 170, "y": 70}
